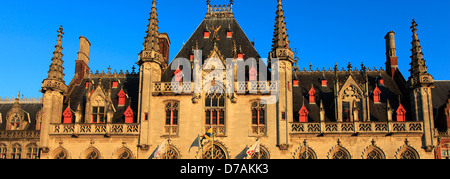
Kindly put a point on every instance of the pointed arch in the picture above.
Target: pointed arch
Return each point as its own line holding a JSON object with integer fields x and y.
{"x": 373, "y": 152}
{"x": 216, "y": 150}
{"x": 91, "y": 153}
{"x": 407, "y": 152}
{"x": 60, "y": 153}
{"x": 123, "y": 153}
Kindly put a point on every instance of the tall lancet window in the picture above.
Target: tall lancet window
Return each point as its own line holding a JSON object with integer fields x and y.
{"x": 215, "y": 110}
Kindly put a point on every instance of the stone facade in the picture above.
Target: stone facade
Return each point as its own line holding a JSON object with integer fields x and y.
{"x": 320, "y": 114}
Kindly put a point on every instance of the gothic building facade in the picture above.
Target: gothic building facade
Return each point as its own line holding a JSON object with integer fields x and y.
{"x": 347, "y": 113}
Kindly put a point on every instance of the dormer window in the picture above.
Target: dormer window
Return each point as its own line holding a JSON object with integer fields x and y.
{"x": 240, "y": 56}
{"x": 129, "y": 116}
{"x": 401, "y": 114}
{"x": 115, "y": 84}
{"x": 15, "y": 122}
{"x": 377, "y": 95}
{"x": 98, "y": 115}
{"x": 178, "y": 75}
{"x": 295, "y": 83}
{"x": 229, "y": 34}
{"x": 324, "y": 82}
{"x": 206, "y": 35}
{"x": 67, "y": 116}
{"x": 121, "y": 96}
{"x": 87, "y": 84}
{"x": 303, "y": 113}
{"x": 312, "y": 96}
{"x": 253, "y": 74}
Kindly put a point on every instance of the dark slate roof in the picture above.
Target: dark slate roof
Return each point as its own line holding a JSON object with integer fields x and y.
{"x": 440, "y": 98}
{"x": 440, "y": 93}
{"x": 129, "y": 84}
{"x": 390, "y": 91}
{"x": 225, "y": 45}
{"x": 31, "y": 108}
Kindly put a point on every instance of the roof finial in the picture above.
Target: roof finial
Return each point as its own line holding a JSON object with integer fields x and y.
{"x": 280, "y": 37}
{"x": 152, "y": 39}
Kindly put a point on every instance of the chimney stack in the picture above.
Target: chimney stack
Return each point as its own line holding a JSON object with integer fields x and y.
{"x": 391, "y": 54}
{"x": 82, "y": 63}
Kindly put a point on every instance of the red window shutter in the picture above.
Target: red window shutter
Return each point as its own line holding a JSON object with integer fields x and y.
{"x": 241, "y": 56}
{"x": 115, "y": 84}
{"x": 295, "y": 82}
{"x": 303, "y": 113}
{"x": 206, "y": 34}
{"x": 377, "y": 95}
{"x": 178, "y": 75}
{"x": 253, "y": 74}
{"x": 121, "y": 96}
{"x": 129, "y": 116}
{"x": 87, "y": 84}
{"x": 324, "y": 82}
{"x": 401, "y": 114}
{"x": 229, "y": 34}
{"x": 312, "y": 96}
{"x": 67, "y": 116}
{"x": 191, "y": 58}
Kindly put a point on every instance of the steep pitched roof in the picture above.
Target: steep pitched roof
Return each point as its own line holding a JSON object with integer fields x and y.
{"x": 325, "y": 94}
{"x": 228, "y": 46}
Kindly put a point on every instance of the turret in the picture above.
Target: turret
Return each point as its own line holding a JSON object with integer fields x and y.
{"x": 420, "y": 84}
{"x": 54, "y": 89}
{"x": 151, "y": 63}
{"x": 282, "y": 52}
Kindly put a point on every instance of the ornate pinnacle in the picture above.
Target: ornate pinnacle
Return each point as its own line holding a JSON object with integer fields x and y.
{"x": 55, "y": 80}
{"x": 419, "y": 74}
{"x": 152, "y": 39}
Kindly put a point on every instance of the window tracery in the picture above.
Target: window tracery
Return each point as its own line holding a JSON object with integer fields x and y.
{"x": 258, "y": 118}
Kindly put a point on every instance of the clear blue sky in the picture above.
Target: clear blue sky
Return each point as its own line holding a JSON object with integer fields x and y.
{"x": 324, "y": 32}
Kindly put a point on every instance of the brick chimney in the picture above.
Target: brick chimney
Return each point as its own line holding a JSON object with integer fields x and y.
{"x": 82, "y": 63}
{"x": 391, "y": 55}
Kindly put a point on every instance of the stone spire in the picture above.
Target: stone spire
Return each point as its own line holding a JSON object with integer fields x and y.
{"x": 280, "y": 42}
{"x": 151, "y": 50}
{"x": 56, "y": 68}
{"x": 419, "y": 74}
{"x": 55, "y": 79}
{"x": 280, "y": 37}
{"x": 152, "y": 39}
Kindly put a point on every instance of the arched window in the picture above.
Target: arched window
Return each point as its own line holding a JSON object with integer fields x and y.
{"x": 306, "y": 153}
{"x": 3, "y": 151}
{"x": 16, "y": 151}
{"x": 60, "y": 153}
{"x": 216, "y": 152}
{"x": 258, "y": 118}
{"x": 262, "y": 154}
{"x": 32, "y": 151}
{"x": 339, "y": 153}
{"x": 171, "y": 118}
{"x": 215, "y": 110}
{"x": 15, "y": 122}
{"x": 408, "y": 153}
{"x": 374, "y": 152}
{"x": 171, "y": 153}
{"x": 92, "y": 154}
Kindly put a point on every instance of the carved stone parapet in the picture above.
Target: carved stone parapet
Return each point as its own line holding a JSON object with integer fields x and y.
{"x": 50, "y": 84}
